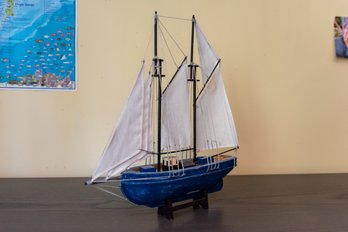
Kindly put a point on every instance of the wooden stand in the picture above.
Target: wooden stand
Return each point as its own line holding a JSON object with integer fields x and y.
{"x": 197, "y": 202}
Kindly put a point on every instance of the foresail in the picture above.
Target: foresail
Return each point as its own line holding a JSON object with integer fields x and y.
{"x": 147, "y": 134}
{"x": 176, "y": 133}
{"x": 215, "y": 124}
{"x": 147, "y": 141}
{"x": 124, "y": 147}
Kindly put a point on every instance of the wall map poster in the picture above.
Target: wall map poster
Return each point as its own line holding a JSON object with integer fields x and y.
{"x": 37, "y": 44}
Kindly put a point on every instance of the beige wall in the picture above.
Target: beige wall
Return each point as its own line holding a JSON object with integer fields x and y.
{"x": 287, "y": 90}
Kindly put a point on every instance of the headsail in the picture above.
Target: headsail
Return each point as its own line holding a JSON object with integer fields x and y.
{"x": 126, "y": 143}
{"x": 215, "y": 125}
{"x": 176, "y": 133}
{"x": 147, "y": 135}
{"x": 147, "y": 141}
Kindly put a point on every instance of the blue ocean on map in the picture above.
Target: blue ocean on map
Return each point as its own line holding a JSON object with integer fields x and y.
{"x": 38, "y": 43}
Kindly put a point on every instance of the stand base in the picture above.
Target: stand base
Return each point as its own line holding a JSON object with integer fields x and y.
{"x": 196, "y": 203}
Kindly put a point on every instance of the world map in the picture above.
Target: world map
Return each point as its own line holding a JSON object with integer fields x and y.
{"x": 38, "y": 44}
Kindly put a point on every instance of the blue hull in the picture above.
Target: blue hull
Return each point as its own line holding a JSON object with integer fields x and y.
{"x": 152, "y": 189}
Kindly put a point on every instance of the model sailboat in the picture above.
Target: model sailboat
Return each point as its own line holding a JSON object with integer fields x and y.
{"x": 167, "y": 131}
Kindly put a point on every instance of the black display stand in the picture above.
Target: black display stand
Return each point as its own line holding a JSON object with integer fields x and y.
{"x": 197, "y": 202}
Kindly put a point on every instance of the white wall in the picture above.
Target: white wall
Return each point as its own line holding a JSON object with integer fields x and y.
{"x": 287, "y": 90}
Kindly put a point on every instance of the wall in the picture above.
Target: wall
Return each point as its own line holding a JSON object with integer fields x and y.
{"x": 287, "y": 90}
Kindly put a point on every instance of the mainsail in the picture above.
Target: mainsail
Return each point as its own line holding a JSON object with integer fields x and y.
{"x": 128, "y": 142}
{"x": 176, "y": 124}
{"x": 215, "y": 125}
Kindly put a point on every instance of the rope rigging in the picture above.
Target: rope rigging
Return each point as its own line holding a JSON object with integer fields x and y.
{"x": 166, "y": 43}
{"x": 148, "y": 43}
{"x": 176, "y": 43}
{"x": 177, "y": 18}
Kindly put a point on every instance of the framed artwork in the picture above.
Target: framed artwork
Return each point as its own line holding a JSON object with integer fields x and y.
{"x": 38, "y": 44}
{"x": 341, "y": 36}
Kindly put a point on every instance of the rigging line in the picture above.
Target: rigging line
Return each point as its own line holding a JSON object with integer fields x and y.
{"x": 176, "y": 43}
{"x": 109, "y": 192}
{"x": 166, "y": 43}
{"x": 148, "y": 43}
{"x": 103, "y": 182}
{"x": 170, "y": 17}
{"x": 109, "y": 186}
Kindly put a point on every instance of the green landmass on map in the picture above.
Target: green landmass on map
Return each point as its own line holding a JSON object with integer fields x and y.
{"x": 9, "y": 9}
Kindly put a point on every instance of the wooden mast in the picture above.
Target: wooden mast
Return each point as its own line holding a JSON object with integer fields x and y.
{"x": 158, "y": 73}
{"x": 193, "y": 78}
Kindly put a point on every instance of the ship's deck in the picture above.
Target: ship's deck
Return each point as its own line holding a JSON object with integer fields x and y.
{"x": 186, "y": 163}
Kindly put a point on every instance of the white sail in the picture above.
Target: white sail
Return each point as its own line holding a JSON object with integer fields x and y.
{"x": 147, "y": 141}
{"x": 215, "y": 125}
{"x": 147, "y": 135}
{"x": 207, "y": 56}
{"x": 125, "y": 145}
{"x": 176, "y": 126}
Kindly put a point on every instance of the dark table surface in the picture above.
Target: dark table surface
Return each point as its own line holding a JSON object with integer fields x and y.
{"x": 279, "y": 203}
